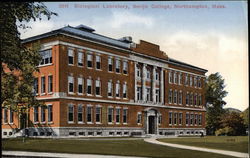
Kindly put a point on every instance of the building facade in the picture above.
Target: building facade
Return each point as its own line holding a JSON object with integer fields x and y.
{"x": 94, "y": 85}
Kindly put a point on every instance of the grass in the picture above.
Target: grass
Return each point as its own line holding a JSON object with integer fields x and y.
{"x": 232, "y": 143}
{"x": 104, "y": 147}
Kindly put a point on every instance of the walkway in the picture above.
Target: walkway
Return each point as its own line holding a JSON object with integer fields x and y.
{"x": 65, "y": 155}
{"x": 224, "y": 152}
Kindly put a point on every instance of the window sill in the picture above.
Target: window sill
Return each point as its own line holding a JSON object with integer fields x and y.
{"x": 110, "y": 97}
{"x": 43, "y": 94}
{"x": 45, "y": 65}
{"x": 110, "y": 123}
{"x": 117, "y": 123}
{"x": 125, "y": 123}
{"x": 98, "y": 96}
{"x": 35, "y": 123}
{"x": 89, "y": 67}
{"x": 90, "y": 123}
{"x": 50, "y": 123}
{"x": 98, "y": 69}
{"x": 50, "y": 93}
{"x": 80, "y": 123}
{"x": 80, "y": 66}
{"x": 11, "y": 123}
{"x": 42, "y": 123}
{"x": 71, "y": 64}
{"x": 89, "y": 95}
{"x": 70, "y": 122}
{"x": 139, "y": 124}
{"x": 98, "y": 123}
{"x": 71, "y": 93}
{"x": 79, "y": 93}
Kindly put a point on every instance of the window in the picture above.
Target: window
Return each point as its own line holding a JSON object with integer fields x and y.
{"x": 80, "y": 85}
{"x": 191, "y": 81}
{"x": 110, "y": 114}
{"x": 125, "y": 67}
{"x": 125, "y": 115}
{"x": 187, "y": 98}
{"x": 110, "y": 89}
{"x": 71, "y": 56}
{"x": 117, "y": 90}
{"x": 110, "y": 63}
{"x": 50, "y": 84}
{"x": 175, "y": 77}
{"x": 124, "y": 93}
{"x": 187, "y": 119}
{"x": 46, "y": 57}
{"x": 98, "y": 87}
{"x": 11, "y": 116}
{"x": 80, "y": 58}
{"x": 157, "y": 76}
{"x": 180, "y": 118}
{"x": 175, "y": 118}
{"x": 42, "y": 114}
{"x": 170, "y": 118}
{"x": 89, "y": 86}
{"x": 170, "y": 96}
{"x": 195, "y": 119}
{"x": 98, "y": 62}
{"x": 195, "y": 81}
{"x": 191, "y": 119}
{"x": 5, "y": 115}
{"x": 139, "y": 118}
{"x": 117, "y": 65}
{"x": 160, "y": 119}
{"x": 186, "y": 79}
{"x": 139, "y": 93}
{"x": 195, "y": 99}
{"x": 79, "y": 113}
{"x": 117, "y": 115}
{"x": 200, "y": 119}
{"x": 50, "y": 113}
{"x": 139, "y": 73}
{"x": 200, "y": 100}
{"x": 180, "y": 78}
{"x": 36, "y": 86}
{"x": 90, "y": 60}
{"x": 71, "y": 113}
{"x": 191, "y": 99}
{"x": 98, "y": 114}
{"x": 148, "y": 74}
{"x": 199, "y": 82}
{"x": 71, "y": 84}
{"x": 148, "y": 94}
{"x": 157, "y": 95}
{"x": 170, "y": 77}
{"x": 180, "y": 97}
{"x": 175, "y": 96}
{"x": 35, "y": 114}
{"x": 43, "y": 85}
{"x": 89, "y": 114}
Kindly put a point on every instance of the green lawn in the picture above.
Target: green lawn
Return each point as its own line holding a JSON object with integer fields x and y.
{"x": 232, "y": 143}
{"x": 105, "y": 147}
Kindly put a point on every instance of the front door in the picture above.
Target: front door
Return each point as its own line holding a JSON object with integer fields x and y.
{"x": 151, "y": 123}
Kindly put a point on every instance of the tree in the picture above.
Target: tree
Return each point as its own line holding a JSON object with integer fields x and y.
{"x": 245, "y": 116}
{"x": 18, "y": 63}
{"x": 214, "y": 87}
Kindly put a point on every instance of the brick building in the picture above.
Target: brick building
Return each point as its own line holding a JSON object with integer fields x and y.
{"x": 94, "y": 85}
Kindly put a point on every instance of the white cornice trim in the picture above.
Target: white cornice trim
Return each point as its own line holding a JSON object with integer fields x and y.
{"x": 185, "y": 72}
{"x": 148, "y": 61}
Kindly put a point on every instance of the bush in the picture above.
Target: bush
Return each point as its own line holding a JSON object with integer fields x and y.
{"x": 224, "y": 131}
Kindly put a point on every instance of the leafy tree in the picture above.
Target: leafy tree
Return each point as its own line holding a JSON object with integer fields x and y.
{"x": 214, "y": 87}
{"x": 245, "y": 116}
{"x": 18, "y": 63}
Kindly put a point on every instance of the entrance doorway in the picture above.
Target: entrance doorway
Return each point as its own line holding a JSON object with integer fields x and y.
{"x": 151, "y": 124}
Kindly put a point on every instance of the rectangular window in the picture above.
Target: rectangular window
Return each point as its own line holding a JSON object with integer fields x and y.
{"x": 11, "y": 116}
{"x": 80, "y": 85}
{"x": 35, "y": 114}
{"x": 98, "y": 87}
{"x": 98, "y": 114}
{"x": 79, "y": 113}
{"x": 89, "y": 86}
{"x": 117, "y": 65}
{"x": 180, "y": 78}
{"x": 110, "y": 63}
{"x": 117, "y": 115}
{"x": 139, "y": 74}
{"x": 200, "y": 119}
{"x": 50, "y": 84}
{"x": 200, "y": 100}
{"x": 139, "y": 118}
{"x": 5, "y": 115}
{"x": 110, "y": 89}
{"x": 125, "y": 115}
{"x": 195, "y": 99}
{"x": 139, "y": 93}
{"x": 180, "y": 97}
{"x": 71, "y": 113}
{"x": 191, "y": 119}
{"x": 186, "y": 79}
{"x": 98, "y": 62}
{"x": 43, "y": 114}
{"x": 43, "y": 85}
{"x": 175, "y": 96}
{"x": 195, "y": 119}
{"x": 89, "y": 114}
{"x": 175, "y": 77}
{"x": 46, "y": 57}
{"x": 110, "y": 114}
{"x": 36, "y": 86}
{"x": 160, "y": 119}
{"x": 90, "y": 60}
{"x": 125, "y": 67}
{"x": 191, "y": 99}
{"x": 148, "y": 94}
{"x": 180, "y": 118}
{"x": 157, "y": 76}
{"x": 117, "y": 90}
{"x": 80, "y": 58}
{"x": 195, "y": 81}
{"x": 170, "y": 118}
{"x": 191, "y": 81}
{"x": 170, "y": 96}
{"x": 187, "y": 98}
{"x": 175, "y": 118}
{"x": 124, "y": 93}
{"x": 157, "y": 95}
{"x": 71, "y": 84}
{"x": 50, "y": 113}
{"x": 187, "y": 119}
{"x": 170, "y": 77}
{"x": 148, "y": 74}
{"x": 199, "y": 82}
{"x": 71, "y": 56}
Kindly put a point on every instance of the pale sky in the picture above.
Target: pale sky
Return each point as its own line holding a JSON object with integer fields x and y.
{"x": 215, "y": 39}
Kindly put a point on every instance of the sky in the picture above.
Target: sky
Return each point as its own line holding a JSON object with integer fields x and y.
{"x": 212, "y": 35}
